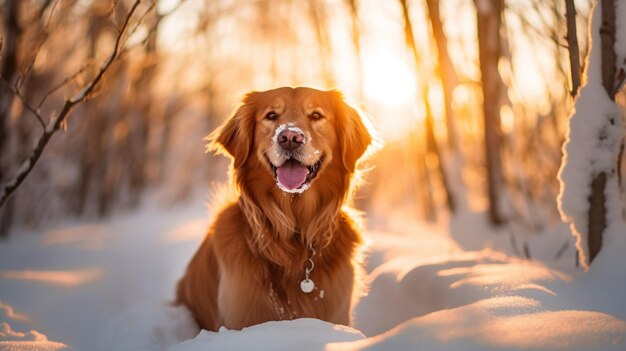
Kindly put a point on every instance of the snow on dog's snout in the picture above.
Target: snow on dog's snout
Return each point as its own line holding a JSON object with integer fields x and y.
{"x": 292, "y": 167}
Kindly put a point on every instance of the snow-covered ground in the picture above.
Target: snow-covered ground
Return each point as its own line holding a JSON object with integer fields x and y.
{"x": 107, "y": 285}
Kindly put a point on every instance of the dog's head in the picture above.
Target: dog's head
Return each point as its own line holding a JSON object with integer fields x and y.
{"x": 296, "y": 134}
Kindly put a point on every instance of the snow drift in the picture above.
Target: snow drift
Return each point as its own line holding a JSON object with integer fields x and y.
{"x": 425, "y": 292}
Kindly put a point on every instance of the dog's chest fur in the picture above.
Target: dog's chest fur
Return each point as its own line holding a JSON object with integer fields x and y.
{"x": 274, "y": 290}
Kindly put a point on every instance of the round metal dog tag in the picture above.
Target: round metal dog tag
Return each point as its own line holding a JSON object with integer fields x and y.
{"x": 307, "y": 285}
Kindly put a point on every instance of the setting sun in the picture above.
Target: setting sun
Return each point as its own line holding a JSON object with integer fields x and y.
{"x": 388, "y": 80}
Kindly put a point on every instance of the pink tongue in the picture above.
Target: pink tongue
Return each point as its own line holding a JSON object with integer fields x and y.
{"x": 292, "y": 174}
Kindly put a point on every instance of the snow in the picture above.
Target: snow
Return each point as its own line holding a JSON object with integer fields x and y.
{"x": 279, "y": 157}
{"x": 156, "y": 326}
{"x": 82, "y": 93}
{"x": 301, "y": 334}
{"x": 31, "y": 340}
{"x": 70, "y": 282}
{"x": 24, "y": 167}
{"x": 501, "y": 323}
{"x": 109, "y": 285}
{"x": 594, "y": 137}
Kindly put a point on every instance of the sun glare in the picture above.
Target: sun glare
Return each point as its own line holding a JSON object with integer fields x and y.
{"x": 388, "y": 80}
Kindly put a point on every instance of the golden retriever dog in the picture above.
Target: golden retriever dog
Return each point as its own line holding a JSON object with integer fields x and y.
{"x": 286, "y": 247}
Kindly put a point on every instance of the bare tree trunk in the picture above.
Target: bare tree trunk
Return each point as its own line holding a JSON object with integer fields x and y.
{"x": 140, "y": 126}
{"x": 488, "y": 24}
{"x": 445, "y": 69}
{"x": 433, "y": 146}
{"x": 572, "y": 42}
{"x": 607, "y": 42}
{"x": 356, "y": 41}
{"x": 91, "y": 154}
{"x": 410, "y": 41}
{"x": 86, "y": 166}
{"x": 428, "y": 199}
{"x": 323, "y": 40}
{"x": 452, "y": 158}
{"x": 11, "y": 37}
{"x": 424, "y": 190}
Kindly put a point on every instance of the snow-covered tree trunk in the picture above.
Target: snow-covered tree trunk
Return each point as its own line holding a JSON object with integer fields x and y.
{"x": 589, "y": 199}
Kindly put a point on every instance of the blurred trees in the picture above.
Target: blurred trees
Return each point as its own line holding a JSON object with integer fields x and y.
{"x": 59, "y": 120}
{"x": 90, "y": 69}
{"x": 480, "y": 134}
{"x": 509, "y": 145}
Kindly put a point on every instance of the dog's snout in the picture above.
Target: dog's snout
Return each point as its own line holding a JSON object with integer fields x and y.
{"x": 290, "y": 139}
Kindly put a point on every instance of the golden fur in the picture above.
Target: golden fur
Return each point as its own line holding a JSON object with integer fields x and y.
{"x": 249, "y": 267}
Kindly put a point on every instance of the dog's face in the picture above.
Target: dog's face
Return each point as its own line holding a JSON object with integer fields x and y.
{"x": 295, "y": 134}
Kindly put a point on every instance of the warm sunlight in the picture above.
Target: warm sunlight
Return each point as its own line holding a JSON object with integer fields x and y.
{"x": 338, "y": 175}
{"x": 388, "y": 80}
{"x": 75, "y": 277}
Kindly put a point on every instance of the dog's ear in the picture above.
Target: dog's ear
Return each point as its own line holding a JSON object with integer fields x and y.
{"x": 353, "y": 135}
{"x": 235, "y": 137}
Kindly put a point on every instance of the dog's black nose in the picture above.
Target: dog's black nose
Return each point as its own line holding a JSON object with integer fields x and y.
{"x": 290, "y": 139}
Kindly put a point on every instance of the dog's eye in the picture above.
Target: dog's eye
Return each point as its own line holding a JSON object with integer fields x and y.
{"x": 316, "y": 115}
{"x": 271, "y": 115}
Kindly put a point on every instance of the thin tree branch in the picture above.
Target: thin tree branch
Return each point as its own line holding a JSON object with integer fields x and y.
{"x": 16, "y": 91}
{"x": 152, "y": 30}
{"x": 39, "y": 14}
{"x": 34, "y": 111}
{"x": 548, "y": 34}
{"x": 133, "y": 30}
{"x": 64, "y": 82}
{"x": 55, "y": 123}
{"x": 43, "y": 38}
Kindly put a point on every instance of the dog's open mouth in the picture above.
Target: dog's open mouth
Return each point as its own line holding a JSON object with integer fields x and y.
{"x": 295, "y": 177}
